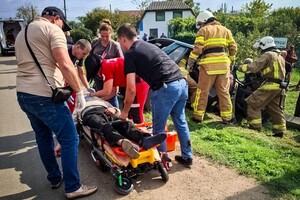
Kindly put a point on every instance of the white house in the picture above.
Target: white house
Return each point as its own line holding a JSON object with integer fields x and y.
{"x": 157, "y": 15}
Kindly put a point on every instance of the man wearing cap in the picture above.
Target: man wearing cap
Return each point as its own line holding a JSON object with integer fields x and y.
{"x": 48, "y": 43}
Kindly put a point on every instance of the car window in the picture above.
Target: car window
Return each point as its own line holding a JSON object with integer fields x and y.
{"x": 177, "y": 54}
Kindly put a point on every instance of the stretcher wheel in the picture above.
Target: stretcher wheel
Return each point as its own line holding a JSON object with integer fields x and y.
{"x": 126, "y": 186}
{"x": 163, "y": 172}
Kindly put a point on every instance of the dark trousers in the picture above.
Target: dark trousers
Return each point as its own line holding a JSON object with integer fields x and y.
{"x": 113, "y": 129}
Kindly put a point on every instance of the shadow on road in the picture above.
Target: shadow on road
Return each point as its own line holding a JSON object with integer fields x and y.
{"x": 19, "y": 157}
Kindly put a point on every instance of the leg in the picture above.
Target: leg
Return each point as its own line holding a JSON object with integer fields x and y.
{"x": 192, "y": 88}
{"x": 276, "y": 112}
{"x": 142, "y": 90}
{"x": 179, "y": 119}
{"x": 162, "y": 101}
{"x": 222, "y": 86}
{"x": 204, "y": 85}
{"x": 129, "y": 131}
{"x": 47, "y": 117}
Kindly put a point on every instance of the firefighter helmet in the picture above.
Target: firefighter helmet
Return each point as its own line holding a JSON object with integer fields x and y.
{"x": 265, "y": 43}
{"x": 248, "y": 61}
{"x": 203, "y": 17}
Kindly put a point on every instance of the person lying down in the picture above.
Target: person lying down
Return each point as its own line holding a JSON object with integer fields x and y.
{"x": 101, "y": 117}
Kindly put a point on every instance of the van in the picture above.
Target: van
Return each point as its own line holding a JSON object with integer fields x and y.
{"x": 9, "y": 29}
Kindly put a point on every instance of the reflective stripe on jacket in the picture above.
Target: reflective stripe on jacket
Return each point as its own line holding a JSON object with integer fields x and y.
{"x": 271, "y": 65}
{"x": 210, "y": 36}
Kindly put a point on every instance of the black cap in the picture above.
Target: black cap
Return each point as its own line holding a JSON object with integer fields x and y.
{"x": 53, "y": 11}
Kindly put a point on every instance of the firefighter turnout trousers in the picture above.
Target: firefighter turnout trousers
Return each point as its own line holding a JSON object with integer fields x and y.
{"x": 273, "y": 101}
{"x": 205, "y": 83}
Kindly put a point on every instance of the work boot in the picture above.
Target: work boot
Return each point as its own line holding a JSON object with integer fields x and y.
{"x": 280, "y": 135}
{"x": 186, "y": 162}
{"x": 130, "y": 149}
{"x": 154, "y": 140}
{"x": 228, "y": 122}
{"x": 255, "y": 128}
{"x": 83, "y": 191}
{"x": 196, "y": 119}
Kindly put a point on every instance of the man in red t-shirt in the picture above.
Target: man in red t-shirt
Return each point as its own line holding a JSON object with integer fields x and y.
{"x": 112, "y": 71}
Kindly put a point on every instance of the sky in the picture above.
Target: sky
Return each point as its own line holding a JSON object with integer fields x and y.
{"x": 77, "y": 8}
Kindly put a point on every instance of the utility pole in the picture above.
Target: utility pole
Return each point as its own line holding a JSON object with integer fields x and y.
{"x": 65, "y": 9}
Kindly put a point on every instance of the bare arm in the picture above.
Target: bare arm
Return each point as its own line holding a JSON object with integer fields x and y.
{"x": 129, "y": 95}
{"x": 66, "y": 67}
{"x": 107, "y": 89}
{"x": 82, "y": 77}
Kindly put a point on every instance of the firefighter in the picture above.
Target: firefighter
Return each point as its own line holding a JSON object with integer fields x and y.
{"x": 192, "y": 84}
{"x": 215, "y": 49}
{"x": 271, "y": 93}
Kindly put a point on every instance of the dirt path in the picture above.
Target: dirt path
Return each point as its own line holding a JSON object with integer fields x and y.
{"x": 203, "y": 181}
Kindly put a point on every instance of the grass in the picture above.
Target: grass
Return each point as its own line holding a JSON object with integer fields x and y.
{"x": 273, "y": 161}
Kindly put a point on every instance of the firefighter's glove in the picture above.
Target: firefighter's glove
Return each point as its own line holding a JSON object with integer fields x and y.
{"x": 240, "y": 68}
{"x": 80, "y": 100}
{"x": 190, "y": 65}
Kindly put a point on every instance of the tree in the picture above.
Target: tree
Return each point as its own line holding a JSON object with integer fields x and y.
{"x": 27, "y": 12}
{"x": 257, "y": 9}
{"x": 93, "y": 19}
{"x": 141, "y": 5}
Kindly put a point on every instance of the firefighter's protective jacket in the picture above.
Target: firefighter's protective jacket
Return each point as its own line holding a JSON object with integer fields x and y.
{"x": 214, "y": 35}
{"x": 272, "y": 67}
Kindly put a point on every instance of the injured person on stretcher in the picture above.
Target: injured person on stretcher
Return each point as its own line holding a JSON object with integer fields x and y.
{"x": 102, "y": 118}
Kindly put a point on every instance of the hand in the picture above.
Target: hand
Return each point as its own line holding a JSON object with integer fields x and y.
{"x": 123, "y": 116}
{"x": 110, "y": 111}
{"x": 80, "y": 101}
{"x": 71, "y": 100}
{"x": 90, "y": 90}
{"x": 57, "y": 150}
{"x": 87, "y": 96}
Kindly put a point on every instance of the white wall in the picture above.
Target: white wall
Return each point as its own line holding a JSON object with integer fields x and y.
{"x": 149, "y": 22}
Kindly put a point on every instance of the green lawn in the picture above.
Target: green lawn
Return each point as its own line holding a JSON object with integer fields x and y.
{"x": 273, "y": 161}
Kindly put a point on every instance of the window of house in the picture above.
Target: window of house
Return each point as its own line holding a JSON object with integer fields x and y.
{"x": 177, "y": 13}
{"x": 160, "y": 16}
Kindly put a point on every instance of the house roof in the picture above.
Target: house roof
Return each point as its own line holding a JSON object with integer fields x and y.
{"x": 167, "y": 5}
{"x": 136, "y": 13}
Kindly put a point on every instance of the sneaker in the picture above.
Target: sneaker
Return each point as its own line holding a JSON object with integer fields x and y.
{"x": 56, "y": 186}
{"x": 83, "y": 191}
{"x": 130, "y": 149}
{"x": 186, "y": 162}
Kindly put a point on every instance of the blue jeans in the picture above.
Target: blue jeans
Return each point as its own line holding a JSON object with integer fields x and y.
{"x": 47, "y": 118}
{"x": 170, "y": 100}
